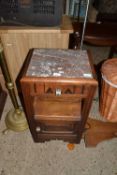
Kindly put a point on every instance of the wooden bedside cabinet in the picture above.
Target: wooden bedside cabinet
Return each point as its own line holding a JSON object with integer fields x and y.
{"x": 58, "y": 87}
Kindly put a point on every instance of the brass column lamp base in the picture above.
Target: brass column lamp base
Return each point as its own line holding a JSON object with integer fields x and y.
{"x": 15, "y": 120}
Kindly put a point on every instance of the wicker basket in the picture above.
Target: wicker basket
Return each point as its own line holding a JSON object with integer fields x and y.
{"x": 108, "y": 98}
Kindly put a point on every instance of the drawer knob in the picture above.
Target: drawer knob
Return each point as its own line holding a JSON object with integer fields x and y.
{"x": 58, "y": 92}
{"x": 38, "y": 129}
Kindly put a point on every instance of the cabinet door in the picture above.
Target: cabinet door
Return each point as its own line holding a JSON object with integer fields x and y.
{"x": 57, "y": 40}
{"x": 15, "y": 48}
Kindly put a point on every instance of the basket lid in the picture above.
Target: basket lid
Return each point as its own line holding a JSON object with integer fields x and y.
{"x": 109, "y": 70}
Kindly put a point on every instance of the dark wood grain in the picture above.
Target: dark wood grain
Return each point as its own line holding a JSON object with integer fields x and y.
{"x": 104, "y": 34}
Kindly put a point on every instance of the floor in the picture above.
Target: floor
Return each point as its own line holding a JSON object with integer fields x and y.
{"x": 19, "y": 155}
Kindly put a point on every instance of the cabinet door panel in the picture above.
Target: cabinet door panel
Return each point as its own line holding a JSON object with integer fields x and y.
{"x": 48, "y": 40}
{"x": 66, "y": 127}
{"x": 15, "y": 48}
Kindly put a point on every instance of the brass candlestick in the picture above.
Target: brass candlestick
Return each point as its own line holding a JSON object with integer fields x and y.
{"x": 15, "y": 119}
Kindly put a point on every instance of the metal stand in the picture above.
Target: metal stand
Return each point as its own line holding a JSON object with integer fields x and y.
{"x": 84, "y": 25}
{"x": 15, "y": 119}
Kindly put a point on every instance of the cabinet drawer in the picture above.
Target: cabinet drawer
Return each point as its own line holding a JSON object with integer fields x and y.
{"x": 58, "y": 127}
{"x": 54, "y": 88}
{"x": 62, "y": 89}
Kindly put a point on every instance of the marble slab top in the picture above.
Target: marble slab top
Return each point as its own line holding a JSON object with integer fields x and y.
{"x": 59, "y": 63}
